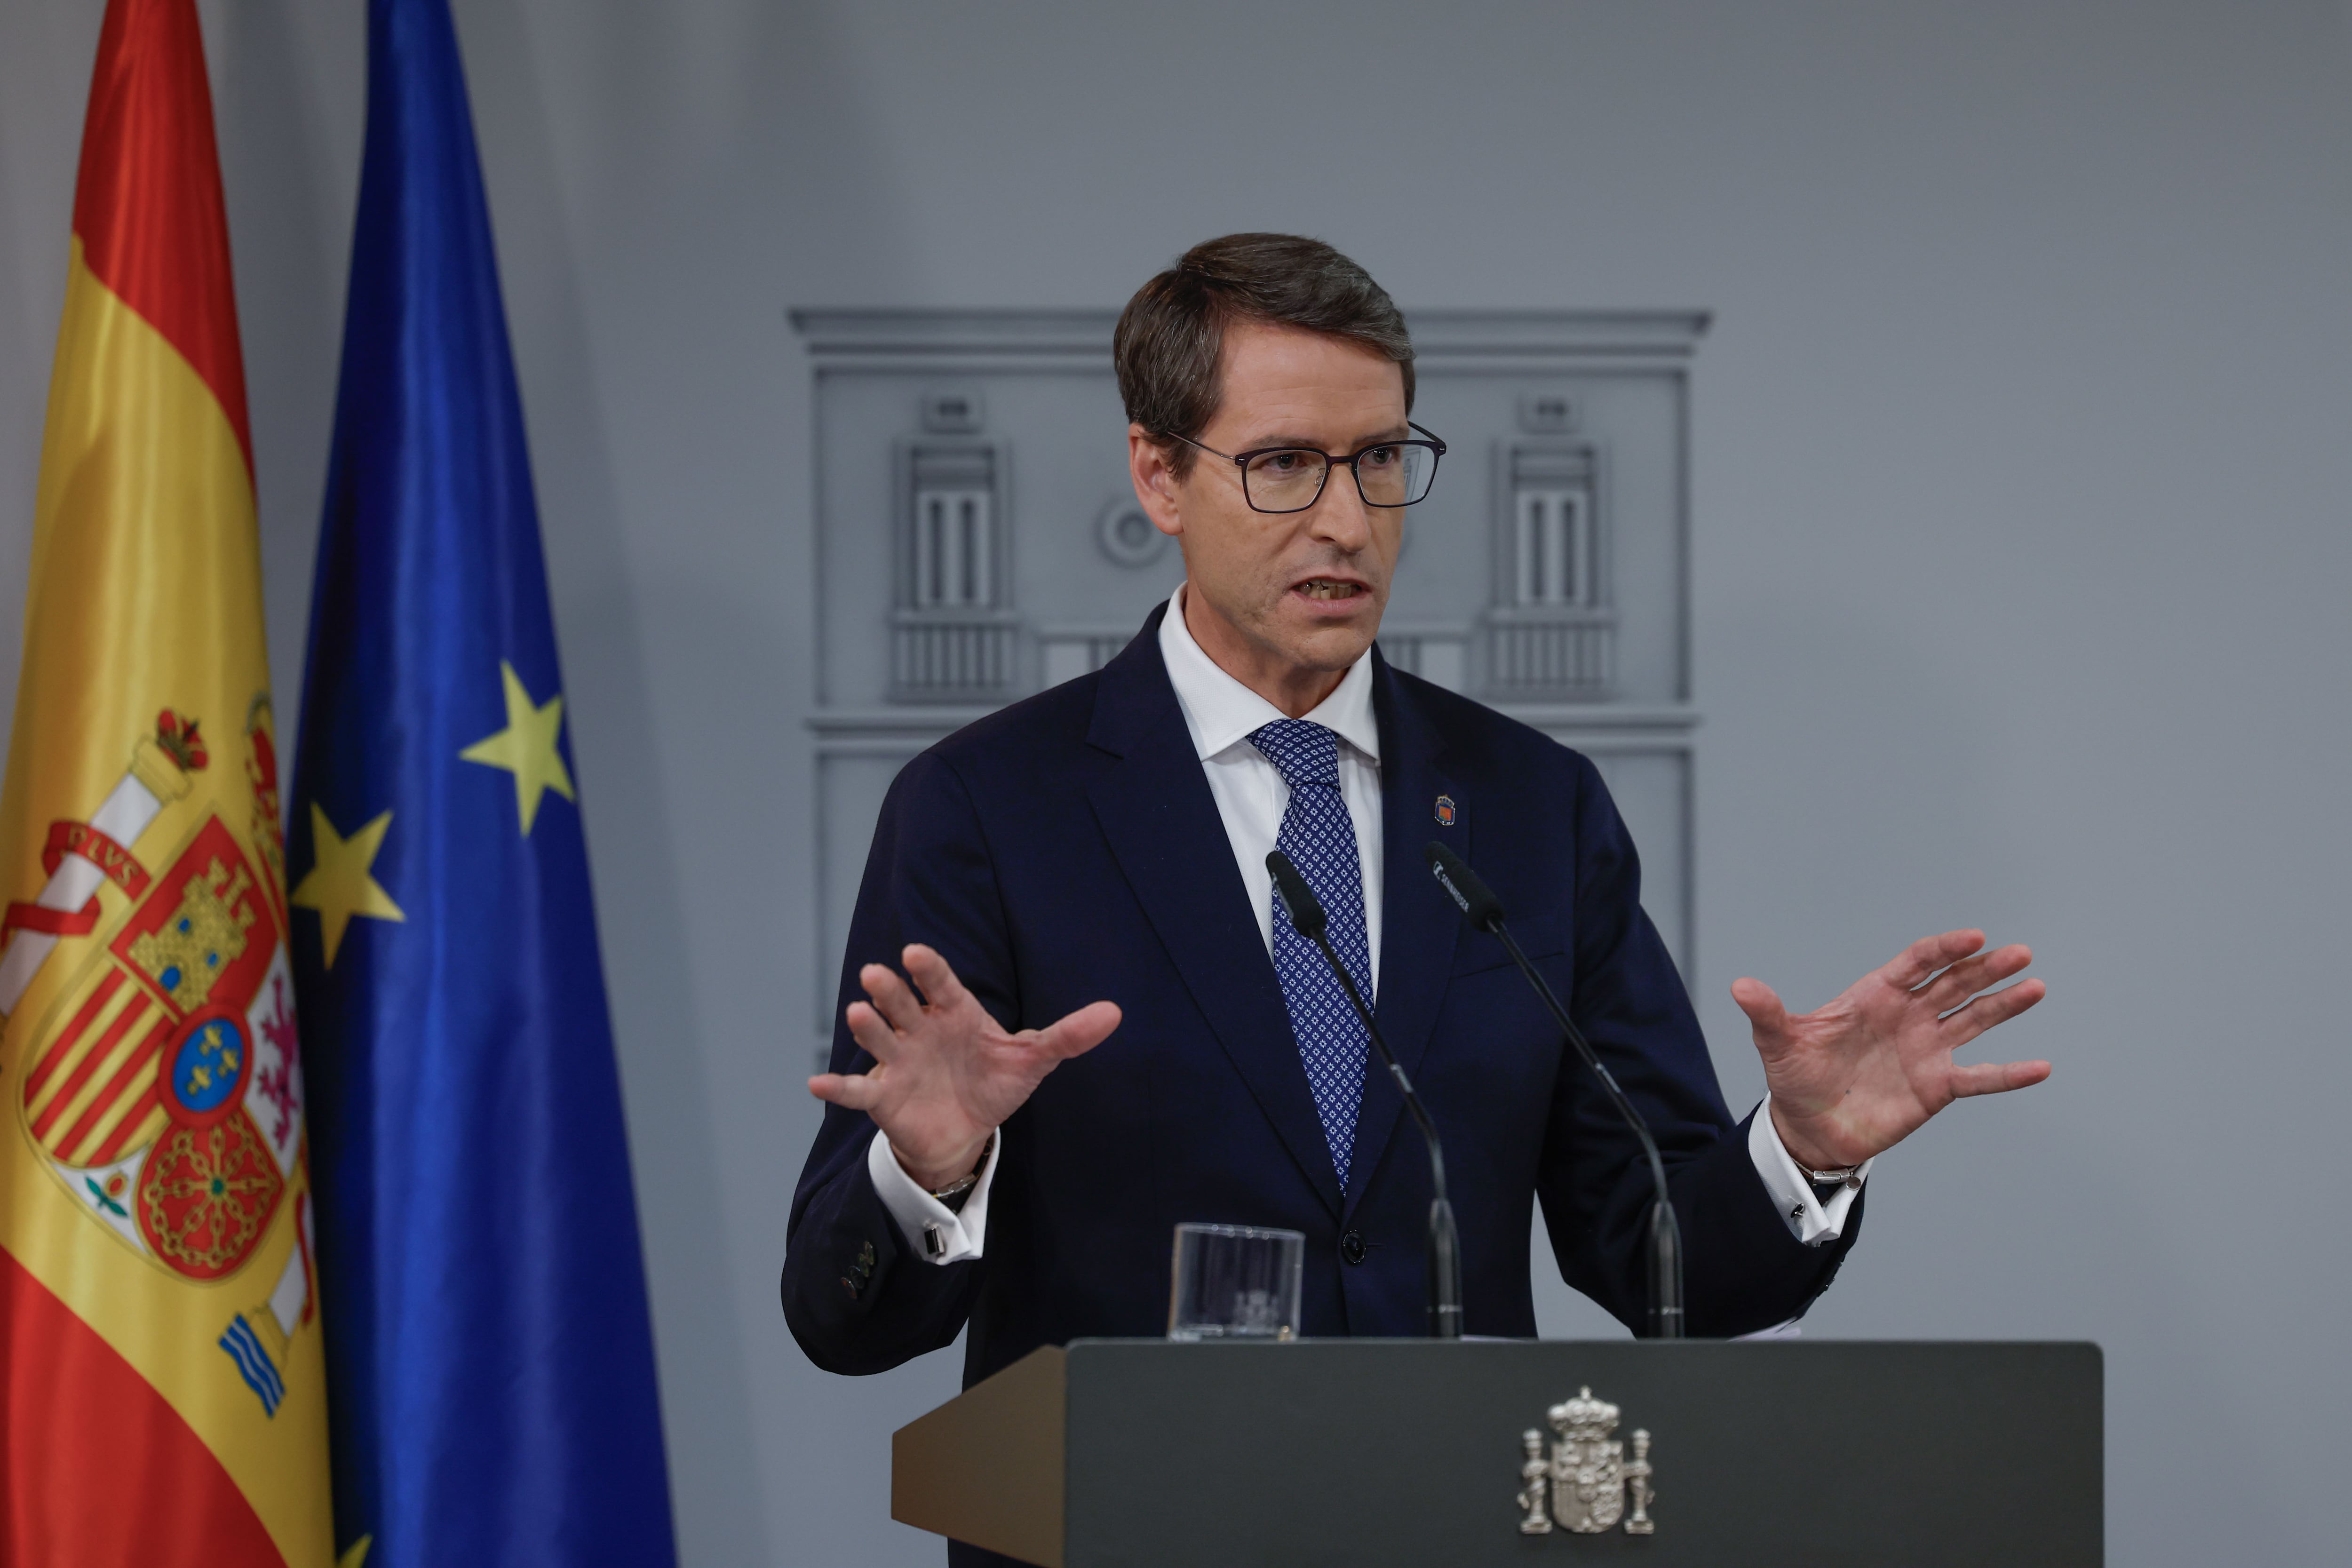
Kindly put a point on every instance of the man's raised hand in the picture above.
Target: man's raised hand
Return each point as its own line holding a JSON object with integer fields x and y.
{"x": 1859, "y": 1076}
{"x": 946, "y": 1074}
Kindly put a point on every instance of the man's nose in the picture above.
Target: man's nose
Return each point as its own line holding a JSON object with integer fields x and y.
{"x": 1340, "y": 516}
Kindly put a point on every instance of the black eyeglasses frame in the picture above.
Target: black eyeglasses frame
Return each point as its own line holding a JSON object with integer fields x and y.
{"x": 1435, "y": 446}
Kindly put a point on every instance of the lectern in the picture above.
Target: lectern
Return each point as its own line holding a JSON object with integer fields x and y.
{"x": 1369, "y": 1453}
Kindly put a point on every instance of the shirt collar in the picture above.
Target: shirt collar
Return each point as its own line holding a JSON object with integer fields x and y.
{"x": 1220, "y": 712}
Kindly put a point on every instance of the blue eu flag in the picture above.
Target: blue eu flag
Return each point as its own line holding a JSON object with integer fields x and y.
{"x": 491, "y": 1362}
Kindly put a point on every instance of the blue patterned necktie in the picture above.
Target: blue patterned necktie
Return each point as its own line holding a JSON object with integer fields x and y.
{"x": 1320, "y": 841}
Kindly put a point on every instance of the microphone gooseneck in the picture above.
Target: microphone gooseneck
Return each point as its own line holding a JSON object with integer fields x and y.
{"x": 1485, "y": 911}
{"x": 1306, "y": 917}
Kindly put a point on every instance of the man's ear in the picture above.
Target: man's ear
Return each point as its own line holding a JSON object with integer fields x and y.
{"x": 1156, "y": 484}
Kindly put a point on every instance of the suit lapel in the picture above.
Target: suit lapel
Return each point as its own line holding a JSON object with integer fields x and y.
{"x": 1419, "y": 928}
{"x": 1161, "y": 822}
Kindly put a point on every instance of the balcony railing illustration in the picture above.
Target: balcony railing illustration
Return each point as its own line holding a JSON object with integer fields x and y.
{"x": 952, "y": 657}
{"x": 1536, "y": 654}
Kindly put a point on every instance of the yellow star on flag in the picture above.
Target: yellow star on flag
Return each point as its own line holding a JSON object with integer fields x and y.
{"x": 526, "y": 747}
{"x": 339, "y": 885}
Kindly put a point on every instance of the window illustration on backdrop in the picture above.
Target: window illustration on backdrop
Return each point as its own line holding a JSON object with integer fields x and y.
{"x": 1550, "y": 632}
{"x": 954, "y": 638}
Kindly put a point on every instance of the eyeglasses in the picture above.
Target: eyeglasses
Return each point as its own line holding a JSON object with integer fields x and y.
{"x": 1291, "y": 478}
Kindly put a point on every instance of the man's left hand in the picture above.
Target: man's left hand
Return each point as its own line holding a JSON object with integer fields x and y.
{"x": 1857, "y": 1077}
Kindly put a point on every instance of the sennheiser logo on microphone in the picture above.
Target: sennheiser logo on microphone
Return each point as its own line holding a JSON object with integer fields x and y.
{"x": 1452, "y": 891}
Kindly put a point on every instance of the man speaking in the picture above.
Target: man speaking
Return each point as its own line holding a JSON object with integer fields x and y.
{"x": 1112, "y": 1027}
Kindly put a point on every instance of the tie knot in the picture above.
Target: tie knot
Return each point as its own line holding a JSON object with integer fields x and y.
{"x": 1303, "y": 753}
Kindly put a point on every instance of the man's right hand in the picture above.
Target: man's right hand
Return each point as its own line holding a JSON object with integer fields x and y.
{"x": 946, "y": 1075}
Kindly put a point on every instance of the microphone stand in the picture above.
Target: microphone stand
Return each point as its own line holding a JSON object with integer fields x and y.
{"x": 1486, "y": 911}
{"x": 1306, "y": 917}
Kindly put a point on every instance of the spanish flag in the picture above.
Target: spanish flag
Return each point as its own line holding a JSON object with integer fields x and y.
{"x": 161, "y": 1398}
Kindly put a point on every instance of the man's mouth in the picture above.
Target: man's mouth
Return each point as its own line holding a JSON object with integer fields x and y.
{"x": 1328, "y": 589}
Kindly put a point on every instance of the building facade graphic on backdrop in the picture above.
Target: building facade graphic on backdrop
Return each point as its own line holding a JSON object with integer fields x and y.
{"x": 979, "y": 539}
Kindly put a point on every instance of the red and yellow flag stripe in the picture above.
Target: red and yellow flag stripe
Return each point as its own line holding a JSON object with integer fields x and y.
{"x": 161, "y": 1398}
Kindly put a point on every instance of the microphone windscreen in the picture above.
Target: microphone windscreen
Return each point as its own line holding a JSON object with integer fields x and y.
{"x": 1305, "y": 908}
{"x": 1465, "y": 887}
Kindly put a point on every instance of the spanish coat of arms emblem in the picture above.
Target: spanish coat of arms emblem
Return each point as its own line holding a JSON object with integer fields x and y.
{"x": 164, "y": 1085}
{"x": 1585, "y": 1485}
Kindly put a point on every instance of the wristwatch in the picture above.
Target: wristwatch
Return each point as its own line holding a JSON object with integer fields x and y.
{"x": 969, "y": 1179}
{"x": 1844, "y": 1176}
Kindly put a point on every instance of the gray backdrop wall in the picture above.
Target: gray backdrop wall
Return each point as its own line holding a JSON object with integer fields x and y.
{"x": 2019, "y": 554}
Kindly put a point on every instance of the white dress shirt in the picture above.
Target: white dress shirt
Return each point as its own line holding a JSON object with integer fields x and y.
{"x": 1221, "y": 713}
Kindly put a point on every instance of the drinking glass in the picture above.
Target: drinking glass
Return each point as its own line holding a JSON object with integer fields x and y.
{"x": 1235, "y": 1282}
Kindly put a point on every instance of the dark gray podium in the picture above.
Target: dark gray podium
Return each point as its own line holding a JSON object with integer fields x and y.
{"x": 1369, "y": 1453}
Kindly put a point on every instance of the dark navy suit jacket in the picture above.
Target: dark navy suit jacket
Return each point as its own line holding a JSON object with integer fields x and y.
{"x": 1067, "y": 850}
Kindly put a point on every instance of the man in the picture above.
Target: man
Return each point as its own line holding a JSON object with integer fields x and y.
{"x": 1116, "y": 1029}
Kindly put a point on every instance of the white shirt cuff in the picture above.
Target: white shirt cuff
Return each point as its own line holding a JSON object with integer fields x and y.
{"x": 1809, "y": 1219}
{"x": 937, "y": 1233}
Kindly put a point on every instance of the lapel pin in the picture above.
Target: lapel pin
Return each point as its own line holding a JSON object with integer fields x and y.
{"x": 1445, "y": 811}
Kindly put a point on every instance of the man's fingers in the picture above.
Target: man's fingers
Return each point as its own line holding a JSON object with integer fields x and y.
{"x": 1991, "y": 1008}
{"x": 941, "y": 987}
{"x": 1996, "y": 1077}
{"x": 891, "y": 997}
{"x": 1080, "y": 1032}
{"x": 851, "y": 1091}
{"x": 869, "y": 1029}
{"x": 1970, "y": 975}
{"x": 1928, "y": 954}
{"x": 1761, "y": 1004}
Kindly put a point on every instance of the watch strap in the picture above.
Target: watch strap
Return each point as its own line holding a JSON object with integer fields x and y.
{"x": 963, "y": 1185}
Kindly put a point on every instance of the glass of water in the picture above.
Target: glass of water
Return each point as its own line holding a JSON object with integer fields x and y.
{"x": 1235, "y": 1282}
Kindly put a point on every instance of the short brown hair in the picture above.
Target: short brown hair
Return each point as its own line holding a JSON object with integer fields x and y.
{"x": 1171, "y": 338}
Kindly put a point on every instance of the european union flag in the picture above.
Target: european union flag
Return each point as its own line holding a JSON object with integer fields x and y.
{"x": 490, "y": 1362}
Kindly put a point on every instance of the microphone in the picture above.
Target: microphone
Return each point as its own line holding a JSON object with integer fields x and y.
{"x": 1485, "y": 911}
{"x": 1306, "y": 917}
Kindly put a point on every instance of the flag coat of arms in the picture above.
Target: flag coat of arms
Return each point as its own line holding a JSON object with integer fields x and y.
{"x": 161, "y": 1397}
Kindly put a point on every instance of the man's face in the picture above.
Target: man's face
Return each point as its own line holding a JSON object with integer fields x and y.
{"x": 1295, "y": 597}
